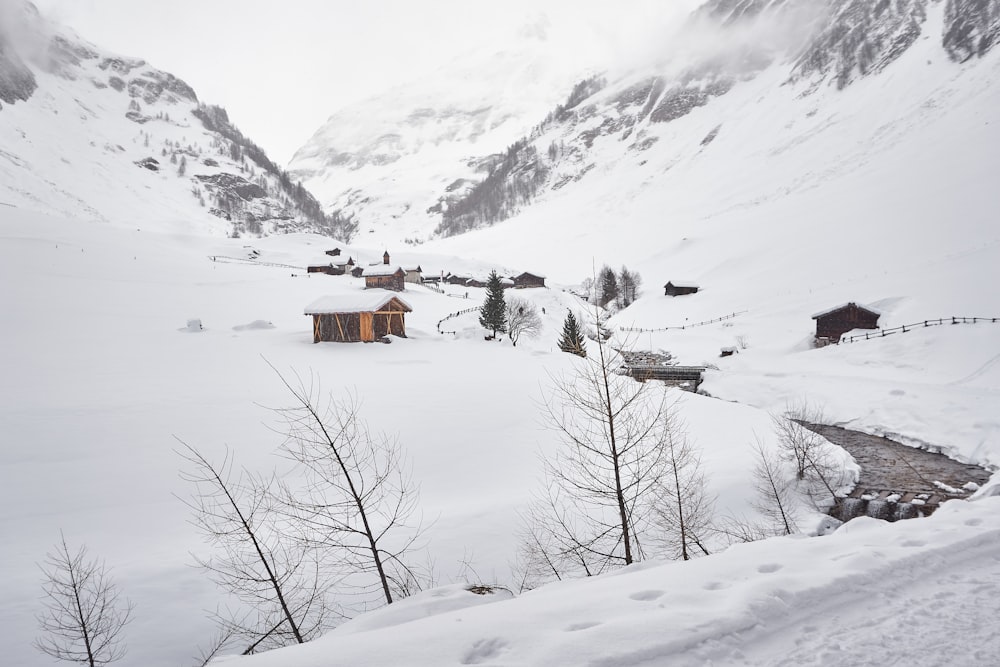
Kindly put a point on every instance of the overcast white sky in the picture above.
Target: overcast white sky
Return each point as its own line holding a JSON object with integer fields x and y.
{"x": 281, "y": 68}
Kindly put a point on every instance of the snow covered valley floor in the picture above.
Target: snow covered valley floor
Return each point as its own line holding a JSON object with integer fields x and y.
{"x": 101, "y": 375}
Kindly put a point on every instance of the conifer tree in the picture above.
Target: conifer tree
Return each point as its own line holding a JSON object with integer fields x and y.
{"x": 572, "y": 339}
{"x": 493, "y": 314}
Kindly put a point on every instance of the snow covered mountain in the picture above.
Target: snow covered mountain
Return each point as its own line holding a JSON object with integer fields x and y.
{"x": 442, "y": 159}
{"x": 393, "y": 162}
{"x": 807, "y": 46}
{"x": 92, "y": 134}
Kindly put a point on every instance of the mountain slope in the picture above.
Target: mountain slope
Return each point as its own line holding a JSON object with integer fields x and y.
{"x": 806, "y": 45}
{"x": 112, "y": 138}
{"x": 393, "y": 162}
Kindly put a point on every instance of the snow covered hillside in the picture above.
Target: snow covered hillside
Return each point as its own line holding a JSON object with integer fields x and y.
{"x": 99, "y": 136}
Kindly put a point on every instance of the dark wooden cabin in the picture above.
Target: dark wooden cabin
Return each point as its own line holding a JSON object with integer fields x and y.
{"x": 833, "y": 323}
{"x": 679, "y": 288}
{"x": 358, "y": 318}
{"x": 319, "y": 268}
{"x": 529, "y": 280}
{"x": 385, "y": 277}
{"x": 335, "y": 252}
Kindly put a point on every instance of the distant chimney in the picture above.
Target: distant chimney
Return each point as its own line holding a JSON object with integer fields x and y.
{"x": 385, "y": 257}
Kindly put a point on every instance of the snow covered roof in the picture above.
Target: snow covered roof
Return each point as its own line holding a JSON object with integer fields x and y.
{"x": 529, "y": 273}
{"x": 382, "y": 270}
{"x": 507, "y": 281}
{"x": 683, "y": 283}
{"x": 352, "y": 303}
{"x": 846, "y": 305}
{"x": 411, "y": 269}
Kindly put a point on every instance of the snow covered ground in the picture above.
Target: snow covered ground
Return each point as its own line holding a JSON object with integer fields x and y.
{"x": 103, "y": 375}
{"x": 911, "y": 593}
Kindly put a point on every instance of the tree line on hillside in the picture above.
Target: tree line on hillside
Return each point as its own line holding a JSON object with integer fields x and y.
{"x": 625, "y": 484}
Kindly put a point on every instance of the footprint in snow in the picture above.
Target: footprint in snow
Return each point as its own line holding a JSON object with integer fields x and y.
{"x": 913, "y": 543}
{"x": 646, "y": 596}
{"x": 768, "y": 568}
{"x": 483, "y": 650}
{"x": 973, "y": 522}
{"x": 715, "y": 586}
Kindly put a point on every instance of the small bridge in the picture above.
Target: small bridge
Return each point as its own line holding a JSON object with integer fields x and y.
{"x": 685, "y": 377}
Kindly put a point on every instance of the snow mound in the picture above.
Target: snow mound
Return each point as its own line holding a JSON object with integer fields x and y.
{"x": 425, "y": 604}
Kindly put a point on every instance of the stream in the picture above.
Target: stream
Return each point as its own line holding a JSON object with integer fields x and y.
{"x": 899, "y": 482}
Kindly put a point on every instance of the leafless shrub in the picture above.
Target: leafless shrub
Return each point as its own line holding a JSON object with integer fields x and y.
{"x": 522, "y": 320}
{"x": 83, "y": 615}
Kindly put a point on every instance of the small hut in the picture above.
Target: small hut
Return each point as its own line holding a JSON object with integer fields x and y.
{"x": 333, "y": 252}
{"x": 680, "y": 288}
{"x": 529, "y": 280}
{"x": 833, "y": 323}
{"x": 414, "y": 274}
{"x": 320, "y": 267}
{"x": 358, "y": 317}
{"x": 385, "y": 277}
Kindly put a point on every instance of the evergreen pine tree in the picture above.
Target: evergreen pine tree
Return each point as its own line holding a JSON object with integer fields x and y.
{"x": 572, "y": 339}
{"x": 608, "y": 286}
{"x": 493, "y": 314}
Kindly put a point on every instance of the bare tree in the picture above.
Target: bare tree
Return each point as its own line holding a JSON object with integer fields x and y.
{"x": 522, "y": 319}
{"x": 685, "y": 511}
{"x": 775, "y": 493}
{"x": 819, "y": 473}
{"x": 357, "y": 499}
{"x": 84, "y": 614}
{"x": 279, "y": 582}
{"x": 601, "y": 484}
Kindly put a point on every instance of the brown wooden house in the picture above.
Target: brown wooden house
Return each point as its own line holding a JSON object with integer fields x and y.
{"x": 358, "y": 318}
{"x": 385, "y": 277}
{"x": 529, "y": 280}
{"x": 680, "y": 288}
{"x": 333, "y": 252}
{"x": 833, "y": 323}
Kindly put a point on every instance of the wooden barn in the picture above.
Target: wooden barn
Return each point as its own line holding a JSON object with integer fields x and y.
{"x": 324, "y": 267}
{"x": 833, "y": 323}
{"x": 680, "y": 288}
{"x": 333, "y": 252}
{"x": 358, "y": 318}
{"x": 385, "y": 277}
{"x": 335, "y": 267}
{"x": 529, "y": 280}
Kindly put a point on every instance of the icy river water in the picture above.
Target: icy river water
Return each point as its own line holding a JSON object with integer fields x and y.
{"x": 889, "y": 468}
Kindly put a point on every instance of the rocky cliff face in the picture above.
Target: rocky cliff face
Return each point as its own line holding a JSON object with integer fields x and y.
{"x": 144, "y": 142}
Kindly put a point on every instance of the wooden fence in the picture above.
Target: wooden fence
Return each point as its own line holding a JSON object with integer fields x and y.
{"x": 904, "y": 328}
{"x": 685, "y": 326}
{"x": 452, "y": 315}
{"x": 244, "y": 260}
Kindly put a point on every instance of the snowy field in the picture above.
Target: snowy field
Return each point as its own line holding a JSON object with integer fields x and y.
{"x": 103, "y": 376}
